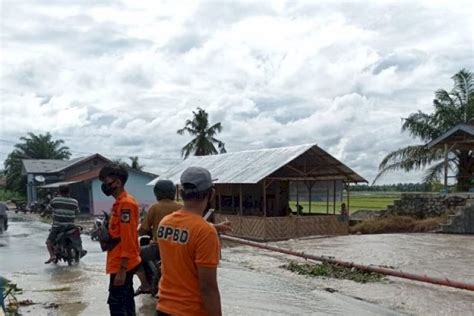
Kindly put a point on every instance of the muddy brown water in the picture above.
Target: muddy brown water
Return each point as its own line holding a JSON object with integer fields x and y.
{"x": 251, "y": 280}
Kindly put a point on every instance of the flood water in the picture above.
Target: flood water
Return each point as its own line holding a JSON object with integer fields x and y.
{"x": 252, "y": 282}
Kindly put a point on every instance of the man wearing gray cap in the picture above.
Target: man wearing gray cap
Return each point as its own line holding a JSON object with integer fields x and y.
{"x": 190, "y": 249}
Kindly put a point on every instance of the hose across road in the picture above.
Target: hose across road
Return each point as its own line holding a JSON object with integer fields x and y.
{"x": 369, "y": 268}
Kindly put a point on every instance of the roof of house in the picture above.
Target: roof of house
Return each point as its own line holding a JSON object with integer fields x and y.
{"x": 459, "y": 134}
{"x": 296, "y": 162}
{"x": 47, "y": 165}
{"x": 73, "y": 162}
{"x": 90, "y": 175}
{"x": 54, "y": 165}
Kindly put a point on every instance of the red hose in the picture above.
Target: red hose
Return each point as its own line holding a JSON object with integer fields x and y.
{"x": 385, "y": 271}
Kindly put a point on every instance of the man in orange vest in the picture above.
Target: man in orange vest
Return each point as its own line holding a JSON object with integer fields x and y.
{"x": 190, "y": 250}
{"x": 123, "y": 251}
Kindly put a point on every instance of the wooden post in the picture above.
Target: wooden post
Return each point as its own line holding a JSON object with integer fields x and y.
{"x": 219, "y": 198}
{"x": 348, "y": 197}
{"x": 232, "y": 194}
{"x": 334, "y": 198}
{"x": 297, "y": 198}
{"x": 327, "y": 197}
{"x": 310, "y": 188}
{"x": 241, "y": 212}
{"x": 264, "y": 198}
{"x": 446, "y": 168}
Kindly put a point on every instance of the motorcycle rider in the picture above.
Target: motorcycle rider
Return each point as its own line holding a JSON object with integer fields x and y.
{"x": 165, "y": 192}
{"x": 64, "y": 210}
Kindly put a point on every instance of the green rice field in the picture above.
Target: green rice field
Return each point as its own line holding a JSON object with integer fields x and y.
{"x": 358, "y": 200}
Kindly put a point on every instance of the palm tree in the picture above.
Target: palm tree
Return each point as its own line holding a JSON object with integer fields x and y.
{"x": 32, "y": 147}
{"x": 135, "y": 164}
{"x": 204, "y": 136}
{"x": 450, "y": 109}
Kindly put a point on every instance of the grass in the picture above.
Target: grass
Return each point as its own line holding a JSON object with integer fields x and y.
{"x": 397, "y": 224}
{"x": 6, "y": 195}
{"x": 358, "y": 201}
{"x": 333, "y": 271}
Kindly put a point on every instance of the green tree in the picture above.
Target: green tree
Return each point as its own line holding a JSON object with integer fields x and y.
{"x": 204, "y": 136}
{"x": 135, "y": 164}
{"x": 450, "y": 109}
{"x": 31, "y": 147}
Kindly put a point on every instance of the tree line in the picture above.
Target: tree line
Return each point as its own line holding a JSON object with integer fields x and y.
{"x": 399, "y": 187}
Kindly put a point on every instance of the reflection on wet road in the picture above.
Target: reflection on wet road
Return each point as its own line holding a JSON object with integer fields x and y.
{"x": 82, "y": 290}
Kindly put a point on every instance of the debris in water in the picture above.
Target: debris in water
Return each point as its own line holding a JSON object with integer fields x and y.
{"x": 51, "y": 306}
{"x": 334, "y": 271}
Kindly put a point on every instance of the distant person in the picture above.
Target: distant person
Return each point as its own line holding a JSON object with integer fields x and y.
{"x": 123, "y": 251}
{"x": 3, "y": 216}
{"x": 344, "y": 216}
{"x": 64, "y": 210}
{"x": 190, "y": 249}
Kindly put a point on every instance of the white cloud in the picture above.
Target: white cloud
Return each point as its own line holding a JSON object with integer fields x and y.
{"x": 121, "y": 78}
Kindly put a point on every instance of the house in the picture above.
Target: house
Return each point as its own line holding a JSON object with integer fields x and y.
{"x": 254, "y": 189}
{"x": 81, "y": 174}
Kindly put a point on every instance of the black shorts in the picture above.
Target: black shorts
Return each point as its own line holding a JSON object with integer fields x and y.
{"x": 121, "y": 298}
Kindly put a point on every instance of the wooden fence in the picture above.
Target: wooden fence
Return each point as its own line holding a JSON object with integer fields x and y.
{"x": 281, "y": 228}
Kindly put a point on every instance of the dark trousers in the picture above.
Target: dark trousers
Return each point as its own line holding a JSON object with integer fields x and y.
{"x": 121, "y": 298}
{"x": 158, "y": 313}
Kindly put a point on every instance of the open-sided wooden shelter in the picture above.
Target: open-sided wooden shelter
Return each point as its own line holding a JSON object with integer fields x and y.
{"x": 254, "y": 189}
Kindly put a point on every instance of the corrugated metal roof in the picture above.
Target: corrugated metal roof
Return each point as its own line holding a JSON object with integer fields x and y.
{"x": 465, "y": 128}
{"x": 50, "y": 165}
{"x": 43, "y": 165}
{"x": 250, "y": 166}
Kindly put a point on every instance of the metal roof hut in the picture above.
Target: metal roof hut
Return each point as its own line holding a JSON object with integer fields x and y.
{"x": 460, "y": 137}
{"x": 254, "y": 190}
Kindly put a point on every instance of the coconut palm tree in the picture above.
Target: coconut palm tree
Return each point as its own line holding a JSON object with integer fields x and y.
{"x": 450, "y": 109}
{"x": 204, "y": 136}
{"x": 135, "y": 164}
{"x": 32, "y": 147}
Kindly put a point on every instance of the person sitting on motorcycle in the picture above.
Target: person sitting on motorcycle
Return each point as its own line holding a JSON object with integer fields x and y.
{"x": 165, "y": 193}
{"x": 64, "y": 210}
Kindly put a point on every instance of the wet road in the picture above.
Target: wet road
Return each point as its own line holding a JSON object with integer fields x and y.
{"x": 81, "y": 290}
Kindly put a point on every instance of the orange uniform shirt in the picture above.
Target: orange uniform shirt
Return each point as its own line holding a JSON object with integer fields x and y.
{"x": 123, "y": 223}
{"x": 186, "y": 241}
{"x": 155, "y": 214}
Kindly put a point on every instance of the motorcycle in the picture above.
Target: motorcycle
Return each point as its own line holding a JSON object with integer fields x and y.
{"x": 68, "y": 245}
{"x": 151, "y": 262}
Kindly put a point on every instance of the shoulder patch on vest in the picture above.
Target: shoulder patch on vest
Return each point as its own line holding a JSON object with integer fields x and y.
{"x": 125, "y": 217}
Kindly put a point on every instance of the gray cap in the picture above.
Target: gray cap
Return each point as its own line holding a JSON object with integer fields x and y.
{"x": 197, "y": 177}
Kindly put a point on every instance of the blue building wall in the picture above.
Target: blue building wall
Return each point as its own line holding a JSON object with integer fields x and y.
{"x": 136, "y": 186}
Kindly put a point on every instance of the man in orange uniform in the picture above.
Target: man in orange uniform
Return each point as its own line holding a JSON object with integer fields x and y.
{"x": 123, "y": 251}
{"x": 190, "y": 251}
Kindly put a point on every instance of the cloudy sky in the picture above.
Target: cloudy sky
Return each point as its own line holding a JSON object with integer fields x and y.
{"x": 120, "y": 78}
